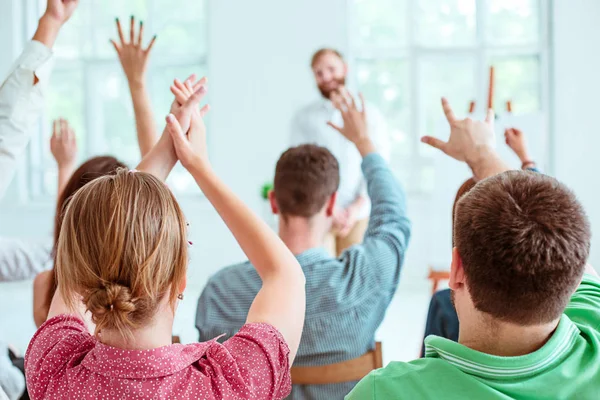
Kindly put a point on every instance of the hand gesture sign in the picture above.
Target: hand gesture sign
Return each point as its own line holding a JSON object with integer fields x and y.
{"x": 467, "y": 137}
{"x": 132, "y": 54}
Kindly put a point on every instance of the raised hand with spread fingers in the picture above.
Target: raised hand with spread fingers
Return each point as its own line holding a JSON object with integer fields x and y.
{"x": 134, "y": 59}
{"x": 57, "y": 13}
{"x": 470, "y": 141}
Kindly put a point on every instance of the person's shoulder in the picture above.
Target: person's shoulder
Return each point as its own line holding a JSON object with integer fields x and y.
{"x": 233, "y": 275}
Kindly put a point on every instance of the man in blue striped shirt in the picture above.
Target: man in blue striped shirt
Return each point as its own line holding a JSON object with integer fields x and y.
{"x": 346, "y": 297}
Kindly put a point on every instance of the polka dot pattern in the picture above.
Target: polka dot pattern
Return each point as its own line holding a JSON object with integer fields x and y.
{"x": 64, "y": 361}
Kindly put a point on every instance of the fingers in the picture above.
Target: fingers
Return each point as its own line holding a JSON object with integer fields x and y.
{"x": 55, "y": 128}
{"x": 204, "y": 110}
{"x": 490, "y": 117}
{"x": 180, "y": 96}
{"x": 183, "y": 88}
{"x": 116, "y": 46}
{"x": 334, "y": 126}
{"x": 434, "y": 142}
{"x": 195, "y": 98}
{"x": 336, "y": 99}
{"x": 362, "y": 103}
{"x": 200, "y": 83}
{"x": 141, "y": 34}
{"x": 120, "y": 30}
{"x": 132, "y": 30}
{"x": 448, "y": 111}
{"x": 151, "y": 44}
{"x": 175, "y": 130}
{"x": 64, "y": 128}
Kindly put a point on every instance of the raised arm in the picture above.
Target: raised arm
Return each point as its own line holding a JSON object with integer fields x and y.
{"x": 63, "y": 146}
{"x": 281, "y": 301}
{"x": 21, "y": 95}
{"x": 472, "y": 142}
{"x": 389, "y": 228}
{"x": 134, "y": 60}
{"x": 515, "y": 139}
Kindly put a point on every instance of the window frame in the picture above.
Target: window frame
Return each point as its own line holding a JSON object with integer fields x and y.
{"x": 37, "y": 162}
{"x": 413, "y": 53}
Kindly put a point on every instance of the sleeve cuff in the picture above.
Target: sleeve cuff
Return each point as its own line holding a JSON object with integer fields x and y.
{"x": 36, "y": 57}
{"x": 372, "y": 161}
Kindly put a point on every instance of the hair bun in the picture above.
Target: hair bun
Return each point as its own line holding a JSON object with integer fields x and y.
{"x": 112, "y": 299}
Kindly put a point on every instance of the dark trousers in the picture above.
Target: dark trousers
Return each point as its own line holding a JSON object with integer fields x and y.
{"x": 19, "y": 362}
{"x": 442, "y": 319}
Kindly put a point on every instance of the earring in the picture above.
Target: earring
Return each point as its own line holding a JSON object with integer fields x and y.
{"x": 180, "y": 296}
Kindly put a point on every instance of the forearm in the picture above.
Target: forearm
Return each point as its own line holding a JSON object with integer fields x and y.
{"x": 281, "y": 301}
{"x": 161, "y": 159}
{"x": 144, "y": 117}
{"x": 64, "y": 174}
{"x": 47, "y": 31}
{"x": 388, "y": 220}
{"x": 262, "y": 246}
{"x": 487, "y": 164}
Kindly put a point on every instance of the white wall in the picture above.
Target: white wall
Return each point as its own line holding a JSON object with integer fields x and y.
{"x": 259, "y": 74}
{"x": 577, "y": 105}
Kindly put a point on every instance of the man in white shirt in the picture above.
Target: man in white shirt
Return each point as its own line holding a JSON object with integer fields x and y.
{"x": 21, "y": 104}
{"x": 312, "y": 124}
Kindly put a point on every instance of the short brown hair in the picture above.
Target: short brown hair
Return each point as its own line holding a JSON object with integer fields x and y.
{"x": 305, "y": 177}
{"x": 524, "y": 240}
{"x": 122, "y": 247}
{"x": 321, "y": 52}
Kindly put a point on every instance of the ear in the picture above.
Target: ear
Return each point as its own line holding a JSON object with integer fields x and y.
{"x": 330, "y": 207}
{"x": 457, "y": 272}
{"x": 273, "y": 202}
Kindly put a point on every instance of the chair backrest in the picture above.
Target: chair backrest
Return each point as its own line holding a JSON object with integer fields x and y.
{"x": 346, "y": 371}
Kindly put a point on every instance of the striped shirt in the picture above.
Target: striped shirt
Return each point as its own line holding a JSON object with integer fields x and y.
{"x": 566, "y": 367}
{"x": 346, "y": 297}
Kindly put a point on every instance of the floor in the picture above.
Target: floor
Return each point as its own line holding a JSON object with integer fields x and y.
{"x": 401, "y": 331}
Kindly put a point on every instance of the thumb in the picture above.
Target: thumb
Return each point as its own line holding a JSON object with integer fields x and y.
{"x": 334, "y": 126}
{"x": 490, "y": 118}
{"x": 174, "y": 129}
{"x": 434, "y": 142}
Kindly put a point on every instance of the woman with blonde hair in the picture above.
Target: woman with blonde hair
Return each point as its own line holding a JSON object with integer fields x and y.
{"x": 121, "y": 266}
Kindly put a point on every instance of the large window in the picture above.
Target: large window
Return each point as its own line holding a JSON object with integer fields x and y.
{"x": 89, "y": 88}
{"x": 408, "y": 53}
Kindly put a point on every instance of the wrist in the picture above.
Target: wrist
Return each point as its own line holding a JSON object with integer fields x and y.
{"x": 47, "y": 30}
{"x": 66, "y": 166}
{"x": 365, "y": 146}
{"x": 197, "y": 166}
{"x": 486, "y": 163}
{"x": 137, "y": 83}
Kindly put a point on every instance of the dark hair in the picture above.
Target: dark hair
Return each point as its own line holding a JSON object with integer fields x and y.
{"x": 524, "y": 240}
{"x": 87, "y": 172}
{"x": 462, "y": 190}
{"x": 321, "y": 52}
{"x": 305, "y": 177}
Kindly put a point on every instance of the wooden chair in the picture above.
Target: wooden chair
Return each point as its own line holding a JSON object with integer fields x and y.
{"x": 435, "y": 276}
{"x": 346, "y": 371}
{"x": 176, "y": 339}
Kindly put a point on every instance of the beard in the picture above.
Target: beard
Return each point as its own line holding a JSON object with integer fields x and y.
{"x": 327, "y": 89}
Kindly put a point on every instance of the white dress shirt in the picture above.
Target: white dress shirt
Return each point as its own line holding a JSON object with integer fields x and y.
{"x": 21, "y": 104}
{"x": 309, "y": 126}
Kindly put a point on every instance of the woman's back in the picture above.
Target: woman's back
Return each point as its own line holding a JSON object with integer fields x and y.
{"x": 70, "y": 363}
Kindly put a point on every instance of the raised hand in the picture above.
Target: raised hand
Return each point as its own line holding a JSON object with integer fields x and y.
{"x": 467, "y": 137}
{"x": 470, "y": 141}
{"x": 515, "y": 139}
{"x": 63, "y": 144}
{"x": 57, "y": 13}
{"x": 190, "y": 144}
{"x": 61, "y": 10}
{"x": 132, "y": 54}
{"x": 184, "y": 90}
{"x": 355, "y": 121}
